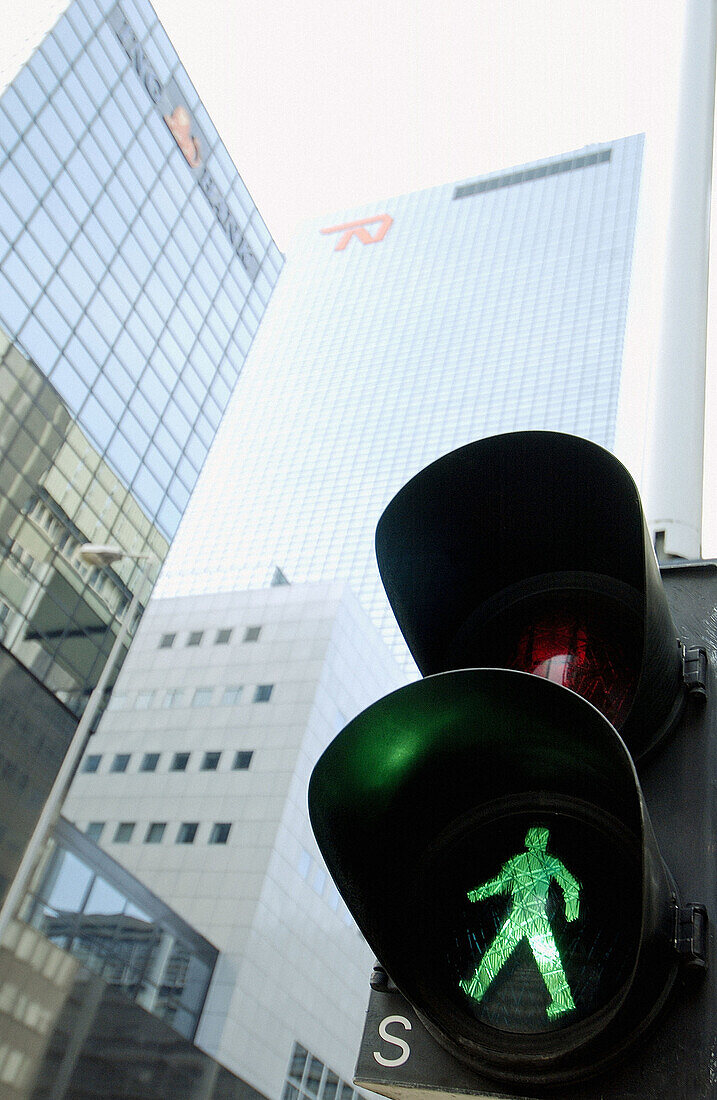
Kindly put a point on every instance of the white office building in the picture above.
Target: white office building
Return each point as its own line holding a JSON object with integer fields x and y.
{"x": 196, "y": 782}
{"x": 399, "y": 331}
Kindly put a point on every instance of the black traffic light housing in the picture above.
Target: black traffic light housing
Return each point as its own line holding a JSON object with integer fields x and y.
{"x": 487, "y": 536}
{"x": 521, "y": 553}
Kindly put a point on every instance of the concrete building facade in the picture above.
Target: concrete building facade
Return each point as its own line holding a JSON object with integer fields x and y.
{"x": 196, "y": 782}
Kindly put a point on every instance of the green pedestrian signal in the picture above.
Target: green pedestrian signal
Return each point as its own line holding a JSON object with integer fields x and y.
{"x": 485, "y": 825}
{"x": 527, "y": 878}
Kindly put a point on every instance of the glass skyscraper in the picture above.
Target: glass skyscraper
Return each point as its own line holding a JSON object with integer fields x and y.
{"x": 134, "y": 272}
{"x": 400, "y": 331}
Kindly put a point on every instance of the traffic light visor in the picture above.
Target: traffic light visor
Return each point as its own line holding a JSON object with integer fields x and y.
{"x": 504, "y": 550}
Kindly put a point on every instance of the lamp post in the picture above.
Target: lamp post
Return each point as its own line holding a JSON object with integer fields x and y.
{"x": 98, "y": 555}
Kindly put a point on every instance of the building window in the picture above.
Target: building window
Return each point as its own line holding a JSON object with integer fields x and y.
{"x": 187, "y": 832}
{"x": 118, "y": 700}
{"x": 143, "y": 700}
{"x": 167, "y": 641}
{"x": 210, "y": 763}
{"x": 202, "y": 697}
{"x": 91, "y": 763}
{"x": 262, "y": 693}
{"x": 149, "y": 762}
{"x": 223, "y": 636}
{"x": 219, "y": 832}
{"x": 173, "y": 698}
{"x": 231, "y": 695}
{"x": 251, "y": 634}
{"x": 195, "y": 637}
{"x": 94, "y": 830}
{"x": 242, "y": 760}
{"x": 179, "y": 762}
{"x": 309, "y": 1077}
{"x": 123, "y": 832}
{"x": 155, "y": 832}
{"x": 120, "y": 762}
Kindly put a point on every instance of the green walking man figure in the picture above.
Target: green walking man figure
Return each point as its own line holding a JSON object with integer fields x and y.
{"x": 527, "y": 877}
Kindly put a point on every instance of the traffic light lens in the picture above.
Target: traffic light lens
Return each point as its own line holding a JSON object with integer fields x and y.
{"x": 580, "y": 650}
{"x": 538, "y": 922}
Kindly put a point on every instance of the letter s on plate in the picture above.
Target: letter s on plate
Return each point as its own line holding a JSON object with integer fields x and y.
{"x": 395, "y": 1040}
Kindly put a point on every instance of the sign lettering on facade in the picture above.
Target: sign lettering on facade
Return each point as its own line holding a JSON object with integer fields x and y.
{"x": 187, "y": 135}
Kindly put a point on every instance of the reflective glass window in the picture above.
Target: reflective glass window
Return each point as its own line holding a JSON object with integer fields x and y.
{"x": 68, "y": 886}
{"x": 155, "y": 832}
{"x": 123, "y": 832}
{"x": 187, "y": 832}
{"x": 219, "y": 832}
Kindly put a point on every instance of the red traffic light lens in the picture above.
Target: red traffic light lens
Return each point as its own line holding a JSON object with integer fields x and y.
{"x": 580, "y": 630}
{"x": 579, "y": 650}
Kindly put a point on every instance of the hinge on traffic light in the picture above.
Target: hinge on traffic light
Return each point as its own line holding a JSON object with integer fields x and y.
{"x": 694, "y": 669}
{"x": 380, "y": 981}
{"x": 691, "y": 935}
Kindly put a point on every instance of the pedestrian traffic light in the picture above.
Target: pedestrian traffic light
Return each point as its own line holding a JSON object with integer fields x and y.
{"x": 486, "y": 825}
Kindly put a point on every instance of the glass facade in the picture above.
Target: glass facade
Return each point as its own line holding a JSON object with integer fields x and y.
{"x": 134, "y": 271}
{"x": 398, "y": 332}
{"x": 88, "y": 905}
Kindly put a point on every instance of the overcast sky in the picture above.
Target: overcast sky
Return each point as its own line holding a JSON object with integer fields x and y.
{"x": 324, "y": 104}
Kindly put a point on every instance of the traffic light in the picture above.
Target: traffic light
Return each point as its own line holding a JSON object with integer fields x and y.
{"x": 486, "y": 825}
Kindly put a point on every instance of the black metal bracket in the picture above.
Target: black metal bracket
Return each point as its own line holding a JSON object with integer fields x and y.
{"x": 380, "y": 981}
{"x": 691, "y": 923}
{"x": 694, "y": 669}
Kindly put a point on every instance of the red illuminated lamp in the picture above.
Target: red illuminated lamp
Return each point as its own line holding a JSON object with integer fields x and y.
{"x": 579, "y": 650}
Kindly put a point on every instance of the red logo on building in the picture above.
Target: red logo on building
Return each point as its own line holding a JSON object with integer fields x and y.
{"x": 358, "y": 230}
{"x": 180, "y": 123}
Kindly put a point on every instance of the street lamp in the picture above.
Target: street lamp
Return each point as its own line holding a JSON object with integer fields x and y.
{"x": 98, "y": 555}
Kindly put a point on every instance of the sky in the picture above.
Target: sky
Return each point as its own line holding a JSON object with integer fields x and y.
{"x": 327, "y": 104}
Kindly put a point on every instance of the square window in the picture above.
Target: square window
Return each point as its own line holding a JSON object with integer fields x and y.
{"x": 173, "y": 698}
{"x": 210, "y": 763}
{"x": 120, "y": 762}
{"x": 91, "y": 763}
{"x": 262, "y": 693}
{"x": 155, "y": 832}
{"x": 187, "y": 832}
{"x": 195, "y": 637}
{"x": 149, "y": 762}
{"x": 143, "y": 700}
{"x": 167, "y": 641}
{"x": 219, "y": 832}
{"x": 251, "y": 634}
{"x": 242, "y": 760}
{"x": 202, "y": 697}
{"x": 179, "y": 762}
{"x": 223, "y": 636}
{"x": 123, "y": 832}
{"x": 94, "y": 830}
{"x": 231, "y": 695}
